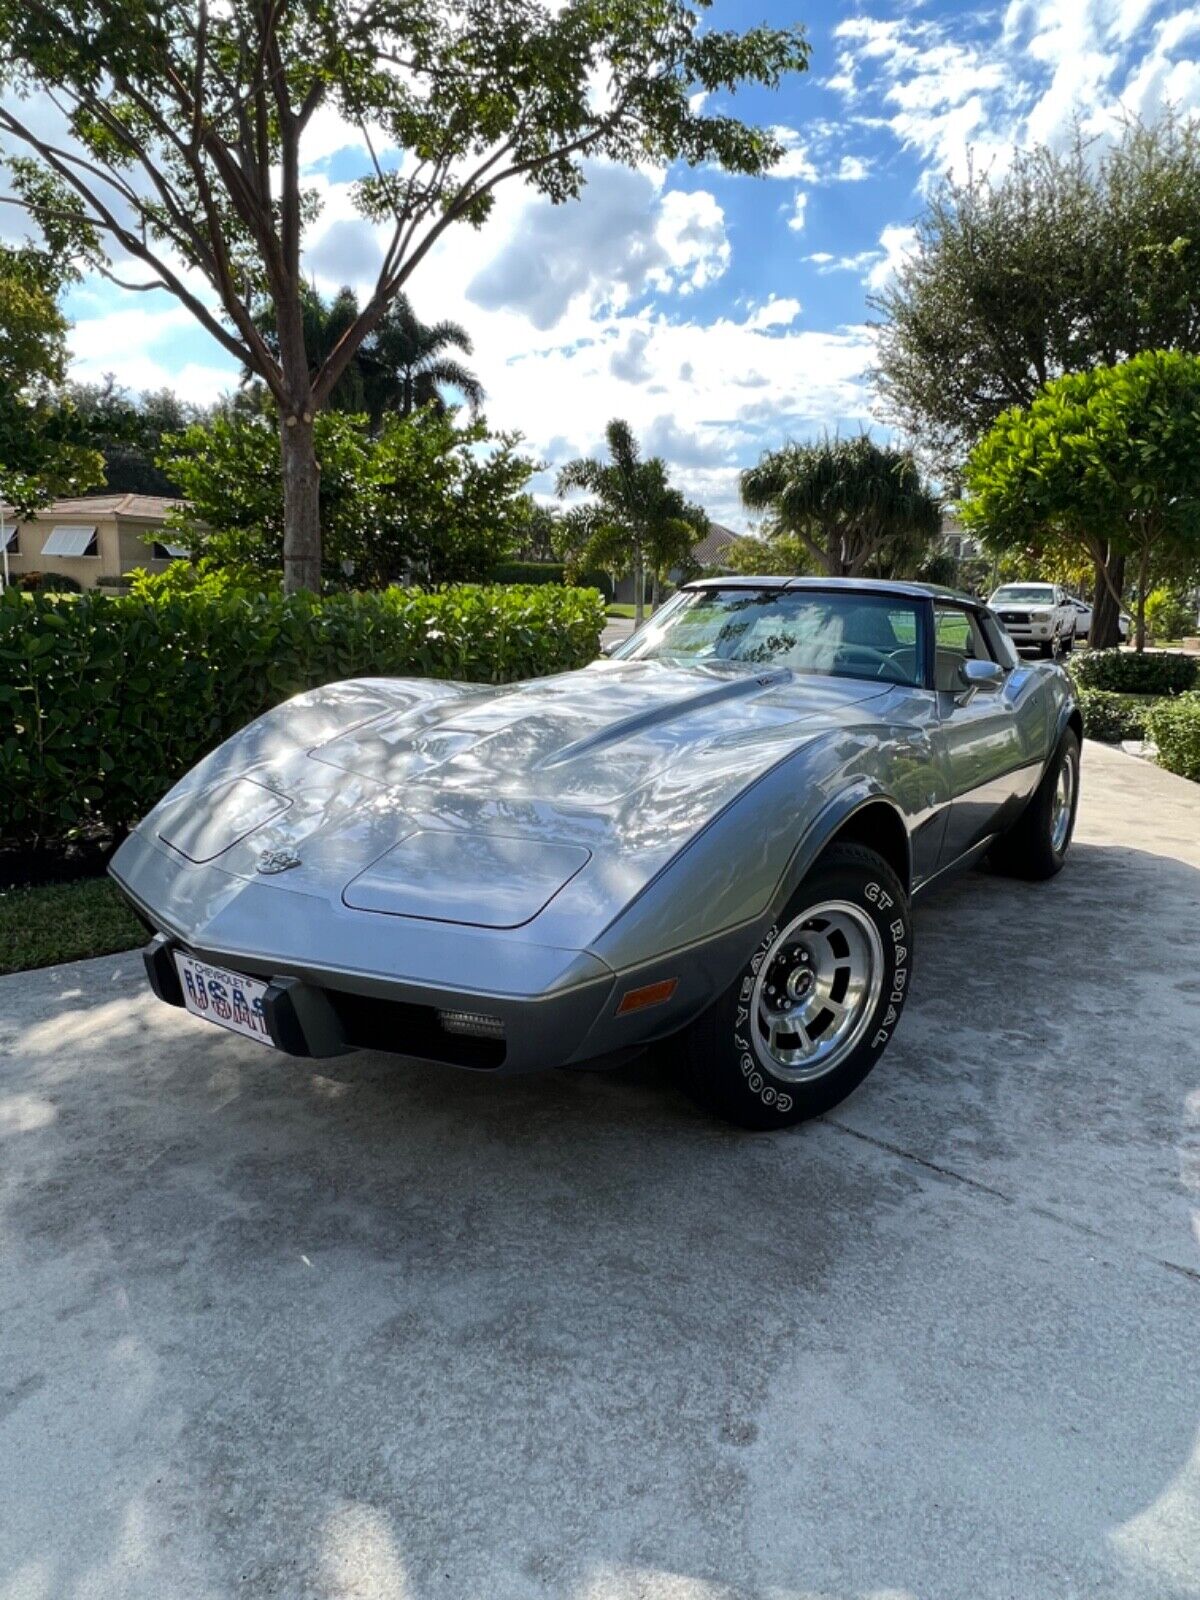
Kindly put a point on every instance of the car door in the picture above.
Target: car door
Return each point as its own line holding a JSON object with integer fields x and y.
{"x": 981, "y": 737}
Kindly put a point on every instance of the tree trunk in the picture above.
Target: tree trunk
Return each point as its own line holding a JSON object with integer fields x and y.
{"x": 1143, "y": 579}
{"x": 301, "y": 507}
{"x": 639, "y": 588}
{"x": 1106, "y": 625}
{"x": 654, "y": 592}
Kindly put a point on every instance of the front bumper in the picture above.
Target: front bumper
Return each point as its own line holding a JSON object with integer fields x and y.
{"x": 315, "y": 1015}
{"x": 341, "y": 979}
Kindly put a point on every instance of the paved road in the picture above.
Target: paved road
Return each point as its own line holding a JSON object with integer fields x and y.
{"x": 616, "y": 629}
{"x": 393, "y": 1334}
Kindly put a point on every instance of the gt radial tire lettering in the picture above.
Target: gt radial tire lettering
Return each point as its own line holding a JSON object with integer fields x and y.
{"x": 880, "y": 897}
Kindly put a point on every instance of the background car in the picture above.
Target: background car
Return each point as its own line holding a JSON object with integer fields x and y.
{"x": 1037, "y": 616}
{"x": 1083, "y": 620}
{"x": 710, "y": 840}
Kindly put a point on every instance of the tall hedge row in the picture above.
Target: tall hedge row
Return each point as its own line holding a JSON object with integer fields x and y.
{"x": 1135, "y": 672}
{"x": 106, "y": 701}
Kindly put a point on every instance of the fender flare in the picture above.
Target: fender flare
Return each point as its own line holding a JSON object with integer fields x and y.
{"x": 822, "y": 830}
{"x": 1069, "y": 715}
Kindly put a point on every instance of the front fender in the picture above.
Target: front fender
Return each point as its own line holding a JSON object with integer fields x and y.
{"x": 739, "y": 871}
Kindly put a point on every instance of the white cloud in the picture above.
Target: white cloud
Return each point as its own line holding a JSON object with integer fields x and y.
{"x": 815, "y": 158}
{"x": 774, "y": 313}
{"x": 799, "y": 207}
{"x": 896, "y": 243}
{"x": 853, "y": 169}
{"x": 945, "y": 87}
{"x": 795, "y": 161}
{"x": 629, "y": 363}
{"x": 625, "y": 237}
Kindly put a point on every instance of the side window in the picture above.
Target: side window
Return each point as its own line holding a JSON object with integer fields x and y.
{"x": 957, "y": 638}
{"x": 1003, "y": 649}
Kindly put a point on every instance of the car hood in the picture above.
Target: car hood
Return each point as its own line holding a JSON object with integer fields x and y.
{"x": 546, "y": 804}
{"x": 590, "y": 738}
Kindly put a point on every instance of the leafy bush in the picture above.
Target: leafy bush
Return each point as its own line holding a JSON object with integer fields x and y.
{"x": 105, "y": 702}
{"x": 47, "y": 583}
{"x": 1168, "y": 615}
{"x": 206, "y": 577}
{"x": 423, "y": 500}
{"x": 1113, "y": 717}
{"x": 1127, "y": 672}
{"x": 1174, "y": 725}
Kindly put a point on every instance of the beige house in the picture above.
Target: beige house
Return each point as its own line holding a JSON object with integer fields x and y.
{"x": 98, "y": 537}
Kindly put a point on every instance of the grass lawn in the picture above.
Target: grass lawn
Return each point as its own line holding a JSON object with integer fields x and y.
{"x": 64, "y": 922}
{"x": 618, "y": 608}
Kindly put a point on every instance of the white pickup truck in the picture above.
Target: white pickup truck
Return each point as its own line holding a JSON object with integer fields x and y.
{"x": 1036, "y": 616}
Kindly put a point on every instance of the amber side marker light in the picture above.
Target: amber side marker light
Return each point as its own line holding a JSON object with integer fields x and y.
{"x": 652, "y": 995}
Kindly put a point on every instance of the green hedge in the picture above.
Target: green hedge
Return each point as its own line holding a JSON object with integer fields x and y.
{"x": 548, "y": 572}
{"x": 1174, "y": 725}
{"x": 105, "y": 701}
{"x": 1113, "y": 717}
{"x": 528, "y": 572}
{"x": 1127, "y": 672}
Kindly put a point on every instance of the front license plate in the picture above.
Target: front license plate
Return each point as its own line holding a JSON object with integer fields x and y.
{"x": 223, "y": 997}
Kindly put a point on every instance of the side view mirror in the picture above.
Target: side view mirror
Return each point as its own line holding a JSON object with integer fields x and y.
{"x": 979, "y": 677}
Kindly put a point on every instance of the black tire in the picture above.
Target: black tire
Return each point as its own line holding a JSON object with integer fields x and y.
{"x": 1068, "y": 643}
{"x": 1046, "y": 649}
{"x": 725, "y": 1057}
{"x": 1028, "y": 849}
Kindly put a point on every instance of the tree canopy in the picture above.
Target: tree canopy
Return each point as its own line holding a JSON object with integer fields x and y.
{"x": 179, "y": 157}
{"x": 850, "y": 502}
{"x": 1067, "y": 259}
{"x": 634, "y": 521}
{"x": 1103, "y": 459}
{"x": 45, "y": 450}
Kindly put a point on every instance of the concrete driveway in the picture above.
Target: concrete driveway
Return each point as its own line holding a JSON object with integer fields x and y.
{"x": 392, "y": 1333}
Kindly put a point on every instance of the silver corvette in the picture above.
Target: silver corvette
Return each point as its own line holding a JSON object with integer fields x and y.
{"x": 711, "y": 838}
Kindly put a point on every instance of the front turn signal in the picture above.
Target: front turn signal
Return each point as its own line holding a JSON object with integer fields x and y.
{"x": 652, "y": 994}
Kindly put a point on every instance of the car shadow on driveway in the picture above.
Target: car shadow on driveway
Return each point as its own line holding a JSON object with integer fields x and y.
{"x": 371, "y": 1328}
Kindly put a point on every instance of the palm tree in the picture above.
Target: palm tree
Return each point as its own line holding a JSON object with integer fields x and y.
{"x": 635, "y": 519}
{"x": 405, "y": 365}
{"x": 853, "y": 504}
{"x": 400, "y": 367}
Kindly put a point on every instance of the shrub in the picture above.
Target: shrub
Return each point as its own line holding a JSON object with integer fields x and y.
{"x": 1174, "y": 725}
{"x": 1168, "y": 615}
{"x": 1127, "y": 672}
{"x": 47, "y": 583}
{"x": 1112, "y": 717}
{"x": 211, "y": 579}
{"x": 106, "y": 702}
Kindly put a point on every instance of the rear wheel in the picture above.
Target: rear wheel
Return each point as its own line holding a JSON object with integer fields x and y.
{"x": 815, "y": 1005}
{"x": 1036, "y": 845}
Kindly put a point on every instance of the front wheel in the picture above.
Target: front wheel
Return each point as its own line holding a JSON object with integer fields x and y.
{"x": 1036, "y": 845}
{"x": 816, "y": 1003}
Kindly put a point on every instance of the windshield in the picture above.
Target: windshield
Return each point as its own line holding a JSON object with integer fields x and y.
{"x": 839, "y": 635}
{"x": 1027, "y": 594}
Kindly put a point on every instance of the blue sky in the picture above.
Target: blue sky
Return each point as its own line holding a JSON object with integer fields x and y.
{"x": 721, "y": 315}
